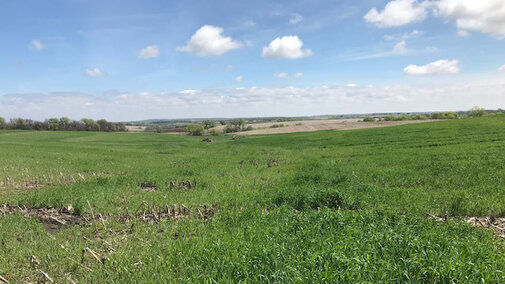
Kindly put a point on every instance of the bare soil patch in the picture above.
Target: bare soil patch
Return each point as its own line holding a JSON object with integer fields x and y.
{"x": 317, "y": 125}
{"x": 135, "y": 128}
{"x": 148, "y": 187}
{"x": 52, "y": 218}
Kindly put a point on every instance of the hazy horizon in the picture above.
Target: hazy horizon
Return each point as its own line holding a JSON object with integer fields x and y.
{"x": 135, "y": 60}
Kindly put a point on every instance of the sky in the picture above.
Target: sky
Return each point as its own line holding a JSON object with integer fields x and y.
{"x": 132, "y": 60}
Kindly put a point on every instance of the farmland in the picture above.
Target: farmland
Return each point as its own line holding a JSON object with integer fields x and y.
{"x": 367, "y": 205}
{"x": 316, "y": 125}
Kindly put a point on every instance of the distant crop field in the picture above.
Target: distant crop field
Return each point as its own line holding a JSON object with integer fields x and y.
{"x": 394, "y": 204}
{"x": 317, "y": 125}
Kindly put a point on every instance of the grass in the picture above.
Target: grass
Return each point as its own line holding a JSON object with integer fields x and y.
{"x": 330, "y": 206}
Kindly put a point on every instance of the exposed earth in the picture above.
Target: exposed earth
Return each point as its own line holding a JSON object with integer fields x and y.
{"x": 316, "y": 125}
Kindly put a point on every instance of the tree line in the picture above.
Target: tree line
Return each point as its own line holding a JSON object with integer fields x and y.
{"x": 64, "y": 123}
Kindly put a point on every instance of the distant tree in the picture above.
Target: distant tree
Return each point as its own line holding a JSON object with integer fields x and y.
{"x": 39, "y": 125}
{"x": 121, "y": 127}
{"x": 241, "y": 123}
{"x": 222, "y": 122}
{"x": 64, "y": 123}
{"x": 477, "y": 112}
{"x": 195, "y": 130}
{"x": 17, "y": 123}
{"x": 419, "y": 117}
{"x": 103, "y": 125}
{"x": 90, "y": 124}
{"x": 53, "y": 123}
{"x": 2, "y": 123}
{"x": 368, "y": 119}
{"x": 389, "y": 118}
{"x": 208, "y": 124}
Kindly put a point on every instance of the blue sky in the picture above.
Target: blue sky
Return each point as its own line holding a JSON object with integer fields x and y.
{"x": 125, "y": 60}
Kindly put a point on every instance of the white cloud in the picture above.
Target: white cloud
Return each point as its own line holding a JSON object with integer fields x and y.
{"x": 351, "y": 85}
{"x": 239, "y": 78}
{"x": 37, "y": 44}
{"x": 209, "y": 41}
{"x": 188, "y": 92}
{"x": 502, "y": 69}
{"x": 400, "y": 48}
{"x": 288, "y": 47}
{"x": 487, "y": 16}
{"x": 299, "y": 74}
{"x": 280, "y": 75}
{"x": 94, "y": 72}
{"x": 295, "y": 19}
{"x": 397, "y": 13}
{"x": 150, "y": 51}
{"x": 437, "y": 67}
{"x": 405, "y": 36}
{"x": 460, "y": 94}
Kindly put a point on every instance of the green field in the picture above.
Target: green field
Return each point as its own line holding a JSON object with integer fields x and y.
{"x": 331, "y": 206}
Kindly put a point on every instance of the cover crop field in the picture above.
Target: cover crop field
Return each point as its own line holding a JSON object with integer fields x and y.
{"x": 371, "y": 205}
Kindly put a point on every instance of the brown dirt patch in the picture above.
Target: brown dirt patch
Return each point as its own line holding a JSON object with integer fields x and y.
{"x": 135, "y": 128}
{"x": 52, "y": 218}
{"x": 148, "y": 187}
{"x": 317, "y": 125}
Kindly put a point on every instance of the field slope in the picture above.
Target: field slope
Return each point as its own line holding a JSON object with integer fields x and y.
{"x": 330, "y": 206}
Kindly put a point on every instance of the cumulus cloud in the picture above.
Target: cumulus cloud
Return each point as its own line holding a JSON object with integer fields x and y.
{"x": 209, "y": 41}
{"x": 299, "y": 74}
{"x": 94, "y": 72}
{"x": 400, "y": 48}
{"x": 471, "y": 15}
{"x": 239, "y": 78}
{"x": 287, "y": 47}
{"x": 502, "y": 69}
{"x": 295, "y": 19}
{"x": 37, "y": 44}
{"x": 438, "y": 67}
{"x": 150, "y": 51}
{"x": 397, "y": 13}
{"x": 257, "y": 101}
{"x": 351, "y": 85}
